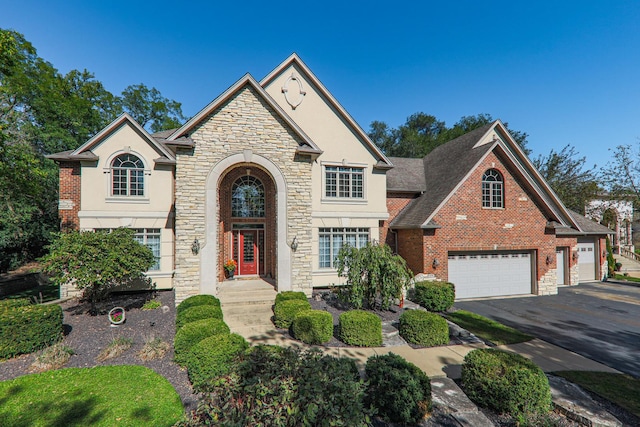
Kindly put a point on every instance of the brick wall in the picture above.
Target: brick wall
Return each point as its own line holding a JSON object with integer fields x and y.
{"x": 69, "y": 188}
{"x": 395, "y": 203}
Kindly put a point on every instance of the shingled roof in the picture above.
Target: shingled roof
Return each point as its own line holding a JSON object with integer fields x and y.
{"x": 444, "y": 169}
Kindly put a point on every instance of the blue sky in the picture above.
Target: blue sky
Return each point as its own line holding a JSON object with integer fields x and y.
{"x": 565, "y": 72}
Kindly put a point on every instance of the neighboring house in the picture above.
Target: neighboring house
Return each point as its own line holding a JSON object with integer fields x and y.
{"x": 277, "y": 176}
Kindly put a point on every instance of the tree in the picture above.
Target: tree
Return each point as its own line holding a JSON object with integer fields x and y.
{"x": 422, "y": 133}
{"x": 149, "y": 108}
{"x": 621, "y": 175}
{"x": 375, "y": 276}
{"x": 97, "y": 262}
{"x": 566, "y": 174}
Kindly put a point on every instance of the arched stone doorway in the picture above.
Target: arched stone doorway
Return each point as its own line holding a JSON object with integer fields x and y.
{"x": 248, "y": 229}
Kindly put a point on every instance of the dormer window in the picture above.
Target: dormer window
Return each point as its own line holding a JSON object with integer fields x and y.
{"x": 492, "y": 189}
{"x": 127, "y": 176}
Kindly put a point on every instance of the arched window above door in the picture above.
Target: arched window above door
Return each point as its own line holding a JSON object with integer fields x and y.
{"x": 492, "y": 189}
{"x": 247, "y": 198}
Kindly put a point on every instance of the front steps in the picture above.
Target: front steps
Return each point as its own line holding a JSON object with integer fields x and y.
{"x": 247, "y": 307}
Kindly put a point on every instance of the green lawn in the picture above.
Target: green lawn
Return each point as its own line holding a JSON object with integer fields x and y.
{"x": 627, "y": 278}
{"x": 487, "y": 329}
{"x": 623, "y": 390}
{"x": 99, "y": 396}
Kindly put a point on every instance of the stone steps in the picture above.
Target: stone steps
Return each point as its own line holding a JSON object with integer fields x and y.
{"x": 247, "y": 306}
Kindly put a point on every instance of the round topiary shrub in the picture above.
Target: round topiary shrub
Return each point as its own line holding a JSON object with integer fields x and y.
{"x": 313, "y": 326}
{"x": 212, "y": 358}
{"x": 287, "y": 310}
{"x": 197, "y": 300}
{"x": 198, "y": 312}
{"x": 289, "y": 295}
{"x": 27, "y": 328}
{"x": 435, "y": 296}
{"x": 399, "y": 390}
{"x": 194, "y": 332}
{"x": 423, "y": 328}
{"x": 505, "y": 382}
{"x": 360, "y": 328}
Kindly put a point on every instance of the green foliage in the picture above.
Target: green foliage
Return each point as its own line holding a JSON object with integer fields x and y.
{"x": 283, "y": 387}
{"x": 313, "y": 326}
{"x": 212, "y": 358}
{"x": 487, "y": 329}
{"x": 194, "y": 332}
{"x": 196, "y": 300}
{"x": 25, "y": 329}
{"x": 435, "y": 296}
{"x": 151, "y": 304}
{"x": 102, "y": 396}
{"x": 398, "y": 390}
{"x": 423, "y": 328}
{"x": 611, "y": 262}
{"x": 288, "y": 295}
{"x": 150, "y": 109}
{"x": 360, "y": 328}
{"x": 97, "y": 262}
{"x": 375, "y": 276}
{"x": 6, "y": 304}
{"x": 505, "y": 382}
{"x": 196, "y": 313}
{"x": 285, "y": 311}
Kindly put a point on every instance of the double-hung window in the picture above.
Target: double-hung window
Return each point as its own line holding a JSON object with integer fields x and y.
{"x": 127, "y": 176}
{"x": 150, "y": 237}
{"x": 331, "y": 240}
{"x": 492, "y": 189}
{"x": 344, "y": 182}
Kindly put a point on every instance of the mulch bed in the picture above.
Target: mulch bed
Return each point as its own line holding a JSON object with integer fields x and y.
{"x": 87, "y": 335}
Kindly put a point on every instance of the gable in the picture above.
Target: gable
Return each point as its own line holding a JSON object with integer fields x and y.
{"x": 303, "y": 97}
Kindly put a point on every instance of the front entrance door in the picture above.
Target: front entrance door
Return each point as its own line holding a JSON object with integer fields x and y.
{"x": 248, "y": 259}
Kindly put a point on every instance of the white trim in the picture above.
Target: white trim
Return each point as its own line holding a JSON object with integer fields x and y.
{"x": 120, "y": 214}
{"x": 354, "y": 215}
{"x": 209, "y": 248}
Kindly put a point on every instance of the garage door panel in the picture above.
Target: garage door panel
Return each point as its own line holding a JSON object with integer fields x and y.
{"x": 586, "y": 261}
{"x": 493, "y": 274}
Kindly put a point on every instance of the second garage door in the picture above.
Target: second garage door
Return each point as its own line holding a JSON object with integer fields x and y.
{"x": 490, "y": 274}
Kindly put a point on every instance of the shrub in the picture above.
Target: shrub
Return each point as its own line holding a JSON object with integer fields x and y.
{"x": 115, "y": 348}
{"x": 154, "y": 348}
{"x": 289, "y": 295}
{"x": 275, "y": 386}
{"x": 197, "y": 300}
{"x": 198, "y": 312}
{"x": 423, "y": 328}
{"x": 360, "y": 328}
{"x": 435, "y": 296}
{"x": 286, "y": 311}
{"x": 6, "y": 304}
{"x": 29, "y": 328}
{"x": 53, "y": 357}
{"x": 194, "y": 332}
{"x": 152, "y": 304}
{"x": 313, "y": 326}
{"x": 399, "y": 390}
{"x": 505, "y": 382}
{"x": 212, "y": 358}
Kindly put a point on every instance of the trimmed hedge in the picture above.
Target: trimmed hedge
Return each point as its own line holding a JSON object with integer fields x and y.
{"x": 25, "y": 329}
{"x": 505, "y": 382}
{"x": 423, "y": 328}
{"x": 360, "y": 328}
{"x": 435, "y": 296}
{"x": 198, "y": 312}
{"x": 6, "y": 304}
{"x": 212, "y": 358}
{"x": 313, "y": 326}
{"x": 399, "y": 390}
{"x": 287, "y": 310}
{"x": 289, "y": 295}
{"x": 194, "y": 332}
{"x": 197, "y": 300}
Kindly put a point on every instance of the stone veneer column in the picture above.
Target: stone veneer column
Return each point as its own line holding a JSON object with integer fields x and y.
{"x": 244, "y": 130}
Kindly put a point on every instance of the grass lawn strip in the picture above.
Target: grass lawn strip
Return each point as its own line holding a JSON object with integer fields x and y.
{"x": 623, "y": 390}
{"x": 627, "y": 278}
{"x": 100, "y": 396}
{"x": 487, "y": 329}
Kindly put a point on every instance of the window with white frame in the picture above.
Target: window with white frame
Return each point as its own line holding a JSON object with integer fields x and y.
{"x": 331, "y": 240}
{"x": 127, "y": 176}
{"x": 344, "y": 182}
{"x": 492, "y": 189}
{"x": 150, "y": 237}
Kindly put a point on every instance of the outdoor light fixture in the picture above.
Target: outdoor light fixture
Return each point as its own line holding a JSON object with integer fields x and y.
{"x": 294, "y": 244}
{"x": 195, "y": 247}
{"x": 435, "y": 263}
{"x": 574, "y": 256}
{"x": 548, "y": 260}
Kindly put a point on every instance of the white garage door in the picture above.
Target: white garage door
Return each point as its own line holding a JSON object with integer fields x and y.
{"x": 490, "y": 274}
{"x": 586, "y": 262}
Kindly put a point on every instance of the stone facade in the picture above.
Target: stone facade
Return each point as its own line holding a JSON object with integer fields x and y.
{"x": 244, "y": 125}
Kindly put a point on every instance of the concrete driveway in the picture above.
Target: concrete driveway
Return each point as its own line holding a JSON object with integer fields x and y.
{"x": 600, "y": 321}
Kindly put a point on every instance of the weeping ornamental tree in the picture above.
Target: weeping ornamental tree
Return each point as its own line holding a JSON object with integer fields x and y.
{"x": 375, "y": 276}
{"x": 97, "y": 262}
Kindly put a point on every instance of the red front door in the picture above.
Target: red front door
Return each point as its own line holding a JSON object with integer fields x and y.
{"x": 248, "y": 262}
